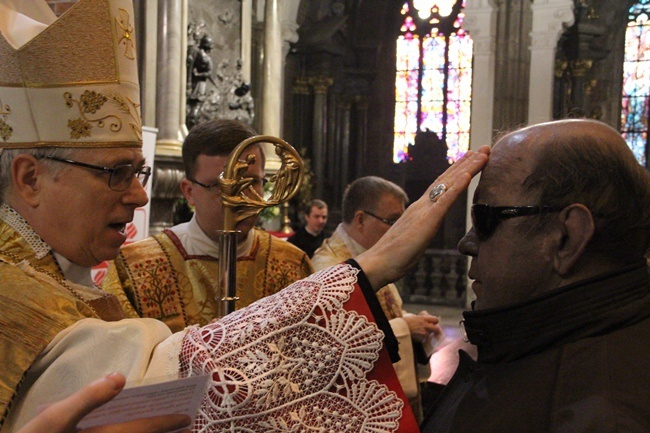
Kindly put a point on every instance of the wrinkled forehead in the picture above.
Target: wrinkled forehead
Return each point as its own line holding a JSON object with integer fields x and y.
{"x": 511, "y": 162}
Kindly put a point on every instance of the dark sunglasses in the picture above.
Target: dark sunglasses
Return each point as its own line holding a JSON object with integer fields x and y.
{"x": 486, "y": 218}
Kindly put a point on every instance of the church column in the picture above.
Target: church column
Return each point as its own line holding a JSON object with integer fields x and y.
{"x": 550, "y": 17}
{"x": 320, "y": 85}
{"x": 272, "y": 69}
{"x": 480, "y": 22}
{"x": 246, "y": 39}
{"x": 361, "y": 139}
{"x": 342, "y": 158}
{"x": 170, "y": 88}
{"x": 301, "y": 116}
{"x": 169, "y": 94}
{"x": 147, "y": 38}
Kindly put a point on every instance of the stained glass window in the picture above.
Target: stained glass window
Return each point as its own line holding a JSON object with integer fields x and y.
{"x": 636, "y": 81}
{"x": 433, "y": 80}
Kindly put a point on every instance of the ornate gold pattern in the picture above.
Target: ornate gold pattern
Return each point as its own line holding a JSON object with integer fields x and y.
{"x": 5, "y": 130}
{"x": 123, "y": 23}
{"x": 240, "y": 199}
{"x": 91, "y": 102}
{"x": 301, "y": 86}
{"x": 131, "y": 108}
{"x": 158, "y": 279}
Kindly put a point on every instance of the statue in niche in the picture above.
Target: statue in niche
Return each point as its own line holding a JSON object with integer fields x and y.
{"x": 201, "y": 74}
{"x": 194, "y": 32}
{"x": 213, "y": 91}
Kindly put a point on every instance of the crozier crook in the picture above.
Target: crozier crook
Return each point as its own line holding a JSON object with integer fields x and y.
{"x": 241, "y": 201}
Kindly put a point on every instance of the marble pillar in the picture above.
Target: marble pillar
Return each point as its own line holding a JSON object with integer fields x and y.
{"x": 246, "y": 39}
{"x": 170, "y": 87}
{"x": 169, "y": 110}
{"x": 147, "y": 39}
{"x": 550, "y": 18}
{"x": 480, "y": 22}
{"x": 272, "y": 102}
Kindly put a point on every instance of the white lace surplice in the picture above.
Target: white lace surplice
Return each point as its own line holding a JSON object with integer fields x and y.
{"x": 294, "y": 361}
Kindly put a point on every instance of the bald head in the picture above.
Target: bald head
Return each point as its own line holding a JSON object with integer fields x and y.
{"x": 583, "y": 161}
{"x": 562, "y": 202}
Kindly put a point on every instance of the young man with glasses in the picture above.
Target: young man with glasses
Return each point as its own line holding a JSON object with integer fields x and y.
{"x": 371, "y": 205}
{"x": 179, "y": 267}
{"x": 561, "y": 321}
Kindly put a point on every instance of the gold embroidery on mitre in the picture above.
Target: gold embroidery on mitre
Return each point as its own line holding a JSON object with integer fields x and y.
{"x": 91, "y": 102}
{"x": 124, "y": 31}
{"x": 5, "y": 130}
{"x": 130, "y": 107}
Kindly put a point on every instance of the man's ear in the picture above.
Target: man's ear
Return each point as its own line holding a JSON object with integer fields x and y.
{"x": 27, "y": 177}
{"x": 577, "y": 228}
{"x": 187, "y": 187}
{"x": 358, "y": 220}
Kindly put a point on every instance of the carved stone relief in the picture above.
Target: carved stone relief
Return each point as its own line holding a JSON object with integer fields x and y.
{"x": 215, "y": 85}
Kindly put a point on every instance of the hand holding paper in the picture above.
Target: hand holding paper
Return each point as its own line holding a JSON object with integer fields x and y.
{"x": 65, "y": 415}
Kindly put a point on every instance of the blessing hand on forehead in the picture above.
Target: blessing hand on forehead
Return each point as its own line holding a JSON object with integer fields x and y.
{"x": 398, "y": 250}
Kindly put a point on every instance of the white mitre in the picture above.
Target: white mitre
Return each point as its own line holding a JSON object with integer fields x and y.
{"x": 71, "y": 81}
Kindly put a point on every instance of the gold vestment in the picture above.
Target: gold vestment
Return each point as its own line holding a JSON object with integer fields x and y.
{"x": 37, "y": 303}
{"x": 157, "y": 278}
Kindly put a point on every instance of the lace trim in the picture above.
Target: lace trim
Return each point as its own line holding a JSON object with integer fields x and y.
{"x": 18, "y": 223}
{"x": 294, "y": 361}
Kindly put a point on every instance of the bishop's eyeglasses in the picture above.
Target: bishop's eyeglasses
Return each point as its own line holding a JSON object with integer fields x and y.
{"x": 119, "y": 177}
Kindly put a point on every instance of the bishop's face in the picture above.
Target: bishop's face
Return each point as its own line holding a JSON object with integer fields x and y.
{"x": 78, "y": 215}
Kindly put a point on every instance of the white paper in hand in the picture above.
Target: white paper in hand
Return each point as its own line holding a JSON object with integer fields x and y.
{"x": 182, "y": 396}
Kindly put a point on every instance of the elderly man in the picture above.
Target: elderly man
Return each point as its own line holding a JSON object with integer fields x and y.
{"x": 179, "y": 267}
{"x": 312, "y": 355}
{"x": 71, "y": 175}
{"x": 561, "y": 221}
{"x": 310, "y": 236}
{"x": 371, "y": 205}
